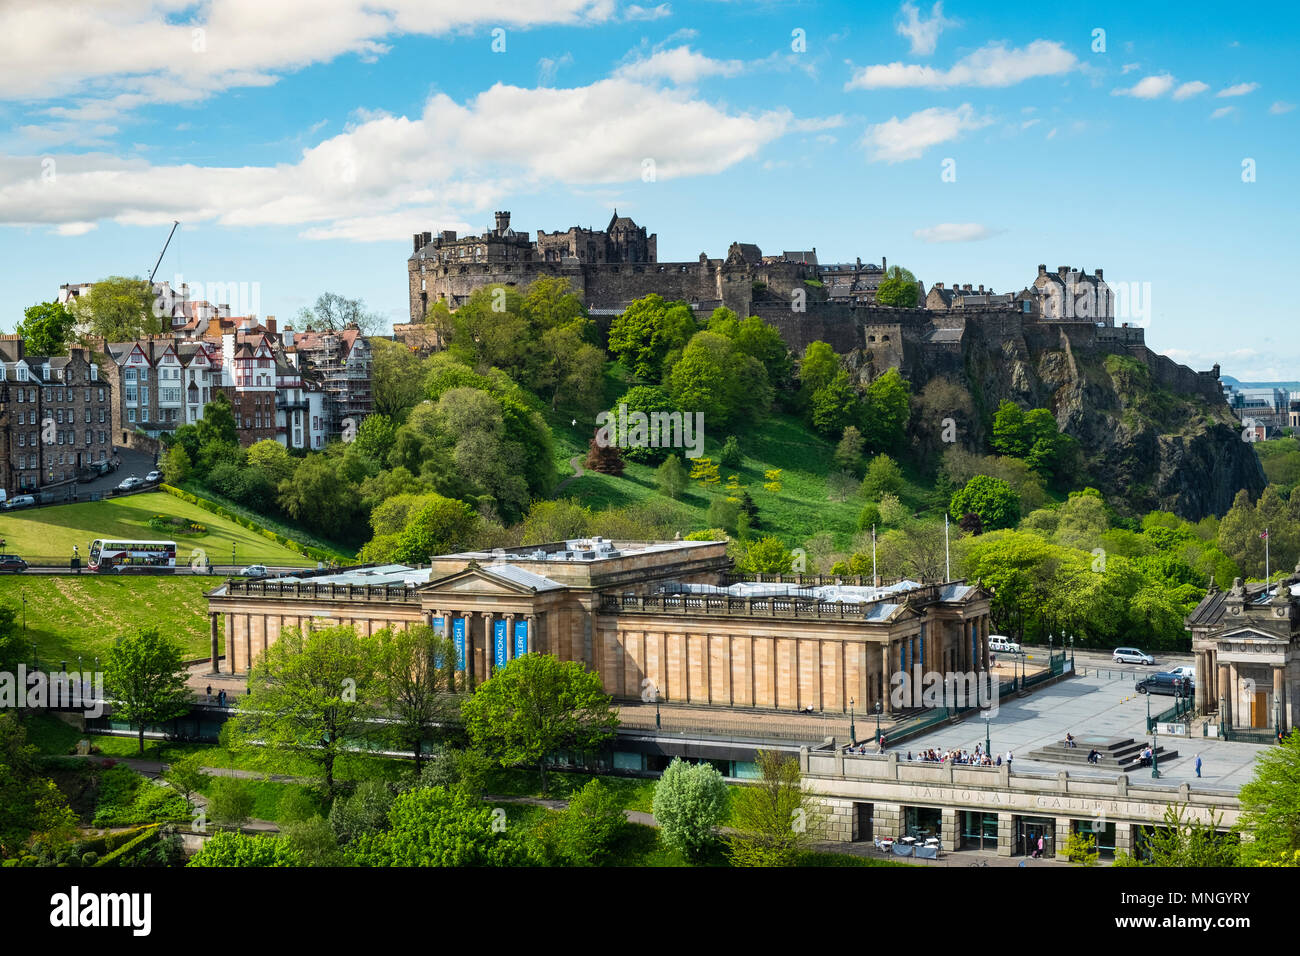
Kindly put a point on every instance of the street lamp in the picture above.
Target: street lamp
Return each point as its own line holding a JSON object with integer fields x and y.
{"x": 24, "y": 594}
{"x": 988, "y": 746}
{"x": 232, "y": 556}
{"x": 853, "y": 729}
{"x": 878, "y": 709}
{"x": 1155, "y": 759}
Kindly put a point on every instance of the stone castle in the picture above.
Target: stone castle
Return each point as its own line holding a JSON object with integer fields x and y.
{"x": 803, "y": 298}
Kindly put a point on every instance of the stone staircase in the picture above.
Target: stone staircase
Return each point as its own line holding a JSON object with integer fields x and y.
{"x": 1117, "y": 753}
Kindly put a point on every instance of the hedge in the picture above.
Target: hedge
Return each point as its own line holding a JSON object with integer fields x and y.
{"x": 316, "y": 554}
{"x": 126, "y": 853}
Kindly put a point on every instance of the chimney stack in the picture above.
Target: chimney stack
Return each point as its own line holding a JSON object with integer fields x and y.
{"x": 1062, "y": 271}
{"x": 1098, "y": 273}
{"x": 1042, "y": 270}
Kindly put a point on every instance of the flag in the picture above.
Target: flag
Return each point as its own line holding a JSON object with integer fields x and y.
{"x": 1265, "y": 534}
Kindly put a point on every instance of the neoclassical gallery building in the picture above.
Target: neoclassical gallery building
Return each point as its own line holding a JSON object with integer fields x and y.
{"x": 668, "y": 617}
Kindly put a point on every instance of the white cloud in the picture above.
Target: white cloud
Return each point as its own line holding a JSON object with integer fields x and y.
{"x": 1222, "y": 111}
{"x": 75, "y": 228}
{"x": 547, "y": 67}
{"x": 924, "y": 34}
{"x": 680, "y": 65}
{"x": 1128, "y": 68}
{"x": 172, "y": 51}
{"x": 953, "y": 232}
{"x": 1188, "y": 90}
{"x": 990, "y": 66}
{"x": 1280, "y": 107}
{"x": 1241, "y": 89}
{"x": 636, "y": 12}
{"x": 385, "y": 171}
{"x": 1148, "y": 88}
{"x": 896, "y": 140}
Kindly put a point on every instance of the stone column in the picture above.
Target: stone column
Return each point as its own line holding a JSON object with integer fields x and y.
{"x": 1064, "y": 827}
{"x": 950, "y": 831}
{"x": 1225, "y": 693}
{"x": 984, "y": 641}
{"x": 489, "y": 644}
{"x": 1006, "y": 833}
{"x": 1123, "y": 838}
{"x": 531, "y": 620}
{"x": 510, "y": 637}
{"x": 212, "y": 635}
{"x": 884, "y": 677}
{"x": 1279, "y": 695}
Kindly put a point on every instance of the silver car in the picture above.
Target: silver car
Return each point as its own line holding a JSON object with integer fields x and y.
{"x": 1131, "y": 655}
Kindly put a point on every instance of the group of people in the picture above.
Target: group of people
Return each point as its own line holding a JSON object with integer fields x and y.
{"x": 976, "y": 758}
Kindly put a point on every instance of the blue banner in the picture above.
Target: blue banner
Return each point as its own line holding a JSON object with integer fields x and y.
{"x": 499, "y": 642}
{"x": 438, "y": 627}
{"x": 521, "y": 638}
{"x": 458, "y": 635}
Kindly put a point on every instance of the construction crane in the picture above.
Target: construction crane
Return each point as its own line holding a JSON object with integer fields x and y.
{"x": 175, "y": 223}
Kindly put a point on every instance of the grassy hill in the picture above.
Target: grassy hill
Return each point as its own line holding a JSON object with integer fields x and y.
{"x": 67, "y": 615}
{"x": 810, "y": 501}
{"x": 51, "y": 532}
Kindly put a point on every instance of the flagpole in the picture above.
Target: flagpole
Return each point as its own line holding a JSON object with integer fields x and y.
{"x": 875, "y": 579}
{"x": 1266, "y": 564}
{"x": 947, "y": 567}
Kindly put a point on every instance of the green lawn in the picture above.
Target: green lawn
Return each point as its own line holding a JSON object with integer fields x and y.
{"x": 51, "y": 532}
{"x": 83, "y": 614}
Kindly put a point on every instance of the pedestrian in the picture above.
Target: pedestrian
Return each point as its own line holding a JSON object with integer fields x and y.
{"x": 209, "y": 690}
{"x": 999, "y": 763}
{"x": 1040, "y": 845}
{"x": 1009, "y": 755}
{"x": 1198, "y": 765}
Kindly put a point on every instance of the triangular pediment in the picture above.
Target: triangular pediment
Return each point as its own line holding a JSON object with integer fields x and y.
{"x": 1247, "y": 635}
{"x": 478, "y": 580}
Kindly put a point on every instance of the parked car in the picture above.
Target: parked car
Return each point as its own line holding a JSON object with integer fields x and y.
{"x": 1003, "y": 644}
{"x": 129, "y": 484}
{"x": 153, "y": 477}
{"x": 20, "y": 501}
{"x": 256, "y": 571}
{"x": 1131, "y": 655}
{"x": 1187, "y": 671}
{"x": 13, "y": 563}
{"x": 1168, "y": 683}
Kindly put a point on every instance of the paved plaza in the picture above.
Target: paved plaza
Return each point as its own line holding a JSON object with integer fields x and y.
{"x": 1093, "y": 706}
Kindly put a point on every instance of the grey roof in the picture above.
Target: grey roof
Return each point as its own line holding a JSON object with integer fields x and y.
{"x": 518, "y": 575}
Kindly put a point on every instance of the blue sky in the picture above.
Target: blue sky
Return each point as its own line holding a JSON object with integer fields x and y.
{"x": 301, "y": 143}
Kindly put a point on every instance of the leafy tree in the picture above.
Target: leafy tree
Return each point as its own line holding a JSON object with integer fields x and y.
{"x": 689, "y": 801}
{"x": 886, "y": 411}
{"x": 766, "y": 556}
{"x": 869, "y": 516}
{"x": 848, "y": 453}
{"x": 187, "y": 777}
{"x": 436, "y": 827}
{"x": 602, "y": 457}
{"x": 715, "y": 378}
{"x": 176, "y": 466}
{"x": 817, "y": 368}
{"x": 724, "y": 513}
{"x": 1270, "y": 804}
{"x": 365, "y": 811}
{"x": 559, "y": 520}
{"x": 883, "y": 477}
{"x": 535, "y": 705}
{"x": 145, "y": 675}
{"x": 457, "y": 768}
{"x": 232, "y": 849}
{"x": 312, "y": 842}
{"x": 273, "y": 460}
{"x": 312, "y": 694}
{"x": 46, "y": 328}
{"x": 833, "y": 405}
{"x": 648, "y": 331}
{"x": 647, "y": 399}
{"x": 118, "y": 308}
{"x": 437, "y": 525}
{"x": 417, "y": 677}
{"x": 376, "y": 437}
{"x": 231, "y": 802}
{"x": 1185, "y": 841}
{"x": 898, "y": 289}
{"x": 773, "y": 820}
{"x": 730, "y": 457}
{"x": 318, "y": 497}
{"x": 991, "y": 499}
{"x": 755, "y": 337}
{"x": 29, "y": 802}
{"x": 572, "y": 367}
{"x": 671, "y": 477}
{"x": 396, "y": 379}
{"x": 218, "y": 422}
{"x": 587, "y": 831}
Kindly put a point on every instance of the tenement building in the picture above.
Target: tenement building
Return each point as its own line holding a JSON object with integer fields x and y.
{"x": 663, "y": 616}
{"x": 55, "y": 417}
{"x": 1247, "y": 647}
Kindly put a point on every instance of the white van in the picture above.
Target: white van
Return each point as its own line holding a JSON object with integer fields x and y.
{"x": 1003, "y": 644}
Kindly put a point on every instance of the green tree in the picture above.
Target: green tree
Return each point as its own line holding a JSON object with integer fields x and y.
{"x": 689, "y": 801}
{"x": 1270, "y": 804}
{"x": 176, "y": 466}
{"x": 1185, "y": 841}
{"x": 671, "y": 478}
{"x": 1081, "y": 848}
{"x": 715, "y": 378}
{"x": 848, "y": 453}
{"x": 773, "y": 820}
{"x": 218, "y": 422}
{"x": 883, "y": 477}
{"x": 319, "y": 497}
{"x": 46, "y": 328}
{"x": 230, "y": 849}
{"x": 231, "y": 803}
{"x": 334, "y": 313}
{"x": 376, "y": 437}
{"x": 118, "y": 309}
{"x": 396, "y": 379}
{"x": 535, "y": 705}
{"x": 311, "y": 694}
{"x": 833, "y": 405}
{"x": 817, "y": 368}
{"x": 886, "y": 411}
{"x": 898, "y": 289}
{"x": 647, "y": 399}
{"x": 312, "y": 842}
{"x": 437, "y": 526}
{"x": 995, "y": 501}
{"x": 417, "y": 677}
{"x": 436, "y": 827}
{"x": 766, "y": 556}
{"x": 648, "y": 331}
{"x": 273, "y": 460}
{"x": 364, "y": 811}
{"x": 187, "y": 777}
{"x": 559, "y": 520}
{"x": 587, "y": 832}
{"x": 30, "y": 803}
{"x": 145, "y": 675}
{"x": 571, "y": 367}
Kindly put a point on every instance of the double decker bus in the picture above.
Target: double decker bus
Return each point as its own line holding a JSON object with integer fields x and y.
{"x": 106, "y": 554}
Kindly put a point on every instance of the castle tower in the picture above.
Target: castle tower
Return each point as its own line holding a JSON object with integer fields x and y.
{"x": 503, "y": 223}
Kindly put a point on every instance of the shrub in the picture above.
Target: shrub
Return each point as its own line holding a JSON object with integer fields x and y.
{"x": 689, "y": 801}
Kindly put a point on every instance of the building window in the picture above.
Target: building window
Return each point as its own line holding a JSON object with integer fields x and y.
{"x": 101, "y": 391}
{"x": 130, "y": 414}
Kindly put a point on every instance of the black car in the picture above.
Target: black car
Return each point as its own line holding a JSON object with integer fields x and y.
{"x": 13, "y": 563}
{"x": 1171, "y": 685}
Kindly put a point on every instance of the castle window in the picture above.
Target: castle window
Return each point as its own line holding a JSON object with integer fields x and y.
{"x": 871, "y": 338}
{"x": 884, "y": 338}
